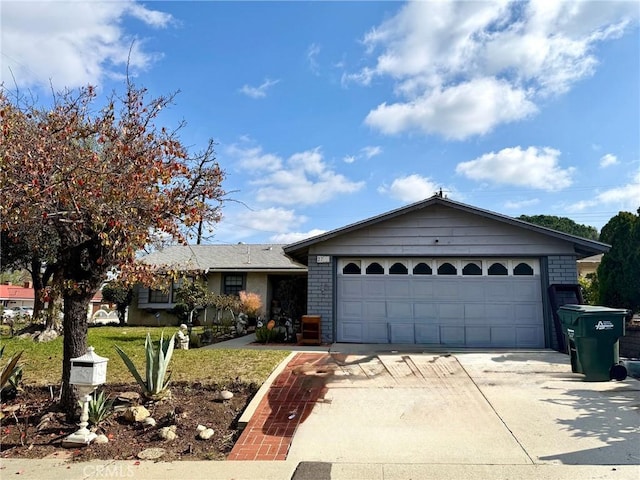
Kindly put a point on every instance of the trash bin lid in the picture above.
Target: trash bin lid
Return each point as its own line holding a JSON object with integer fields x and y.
{"x": 593, "y": 309}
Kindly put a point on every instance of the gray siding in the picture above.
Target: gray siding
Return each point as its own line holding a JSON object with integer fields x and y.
{"x": 442, "y": 231}
{"x": 320, "y": 293}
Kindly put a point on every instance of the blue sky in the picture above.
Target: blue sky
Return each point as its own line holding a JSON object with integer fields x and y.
{"x": 326, "y": 113}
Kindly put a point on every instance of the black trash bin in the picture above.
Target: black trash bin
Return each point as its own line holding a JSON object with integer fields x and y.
{"x": 592, "y": 334}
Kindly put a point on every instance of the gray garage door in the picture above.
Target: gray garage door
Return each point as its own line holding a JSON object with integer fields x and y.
{"x": 455, "y": 302}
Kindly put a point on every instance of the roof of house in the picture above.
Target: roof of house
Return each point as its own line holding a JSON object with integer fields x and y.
{"x": 15, "y": 292}
{"x": 592, "y": 259}
{"x": 583, "y": 247}
{"x": 20, "y": 293}
{"x": 224, "y": 258}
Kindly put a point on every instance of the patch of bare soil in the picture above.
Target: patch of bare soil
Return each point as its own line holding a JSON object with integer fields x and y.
{"x": 34, "y": 427}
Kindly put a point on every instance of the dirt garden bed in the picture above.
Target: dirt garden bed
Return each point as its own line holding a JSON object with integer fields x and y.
{"x": 34, "y": 427}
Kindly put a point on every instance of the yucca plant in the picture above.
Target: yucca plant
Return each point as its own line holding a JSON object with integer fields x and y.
{"x": 10, "y": 376}
{"x": 154, "y": 385}
{"x": 100, "y": 408}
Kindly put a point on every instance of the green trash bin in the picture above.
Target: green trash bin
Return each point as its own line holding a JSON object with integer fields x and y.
{"x": 592, "y": 333}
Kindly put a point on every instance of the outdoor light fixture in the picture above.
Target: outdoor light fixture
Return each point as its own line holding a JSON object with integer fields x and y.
{"x": 87, "y": 372}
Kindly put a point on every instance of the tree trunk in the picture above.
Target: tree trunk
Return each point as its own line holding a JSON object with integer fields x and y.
{"x": 75, "y": 345}
{"x": 38, "y": 287}
{"x": 122, "y": 314}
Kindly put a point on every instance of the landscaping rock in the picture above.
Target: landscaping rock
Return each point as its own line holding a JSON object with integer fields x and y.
{"x": 128, "y": 397}
{"x": 101, "y": 439}
{"x": 151, "y": 453}
{"x": 225, "y": 395}
{"x": 136, "y": 414}
{"x": 47, "y": 335}
{"x": 201, "y": 428}
{"x": 168, "y": 433}
{"x": 206, "y": 434}
{"x": 149, "y": 422}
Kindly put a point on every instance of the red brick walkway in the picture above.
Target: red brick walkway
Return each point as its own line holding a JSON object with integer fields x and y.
{"x": 292, "y": 395}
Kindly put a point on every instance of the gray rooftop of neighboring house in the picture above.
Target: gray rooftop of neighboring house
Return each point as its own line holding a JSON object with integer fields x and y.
{"x": 225, "y": 258}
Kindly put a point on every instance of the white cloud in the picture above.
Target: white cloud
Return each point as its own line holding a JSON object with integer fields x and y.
{"x": 253, "y": 160}
{"x": 275, "y": 220}
{"x": 302, "y": 179}
{"x": 365, "y": 153}
{"x": 411, "y": 188}
{"x": 518, "y": 204}
{"x": 259, "y": 91}
{"x": 623, "y": 198}
{"x": 532, "y": 168}
{"x": 312, "y": 57}
{"x": 72, "y": 44}
{"x": 442, "y": 57}
{"x": 371, "y": 151}
{"x": 472, "y": 108}
{"x": 627, "y": 196}
{"x": 305, "y": 179}
{"x": 608, "y": 160}
{"x": 292, "y": 237}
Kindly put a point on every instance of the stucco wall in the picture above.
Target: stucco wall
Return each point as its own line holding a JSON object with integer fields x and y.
{"x": 320, "y": 295}
{"x": 157, "y": 315}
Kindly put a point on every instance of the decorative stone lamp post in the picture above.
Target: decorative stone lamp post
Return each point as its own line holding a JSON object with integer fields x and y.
{"x": 87, "y": 372}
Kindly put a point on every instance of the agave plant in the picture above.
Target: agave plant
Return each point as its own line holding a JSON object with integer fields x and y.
{"x": 100, "y": 408}
{"x": 10, "y": 375}
{"x": 154, "y": 385}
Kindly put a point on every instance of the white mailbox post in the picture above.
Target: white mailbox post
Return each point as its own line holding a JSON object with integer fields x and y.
{"x": 87, "y": 372}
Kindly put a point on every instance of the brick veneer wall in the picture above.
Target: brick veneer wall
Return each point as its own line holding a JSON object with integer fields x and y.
{"x": 563, "y": 270}
{"x": 630, "y": 343}
{"x": 320, "y": 295}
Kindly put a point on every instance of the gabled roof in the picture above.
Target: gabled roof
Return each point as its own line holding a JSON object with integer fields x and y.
{"x": 225, "y": 258}
{"x": 583, "y": 247}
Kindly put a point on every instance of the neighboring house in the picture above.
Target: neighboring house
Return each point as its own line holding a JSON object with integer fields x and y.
{"x": 439, "y": 272}
{"x": 589, "y": 265}
{"x": 23, "y": 296}
{"x": 229, "y": 269}
{"x": 16, "y": 296}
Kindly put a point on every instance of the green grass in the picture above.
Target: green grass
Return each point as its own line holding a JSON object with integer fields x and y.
{"x": 42, "y": 362}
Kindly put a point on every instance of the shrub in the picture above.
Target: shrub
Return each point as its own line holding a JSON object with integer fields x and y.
{"x": 154, "y": 386}
{"x": 194, "y": 340}
{"x": 250, "y": 303}
{"x": 270, "y": 333}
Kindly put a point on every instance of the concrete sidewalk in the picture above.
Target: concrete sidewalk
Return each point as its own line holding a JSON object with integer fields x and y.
{"x": 415, "y": 415}
{"x": 53, "y": 469}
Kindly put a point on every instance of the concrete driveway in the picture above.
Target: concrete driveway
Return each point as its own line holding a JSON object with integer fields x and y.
{"x": 521, "y": 408}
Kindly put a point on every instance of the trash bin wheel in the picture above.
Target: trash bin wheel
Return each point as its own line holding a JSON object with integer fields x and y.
{"x": 618, "y": 372}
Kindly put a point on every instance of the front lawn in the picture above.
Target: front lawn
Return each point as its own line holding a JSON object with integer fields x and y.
{"x": 42, "y": 362}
